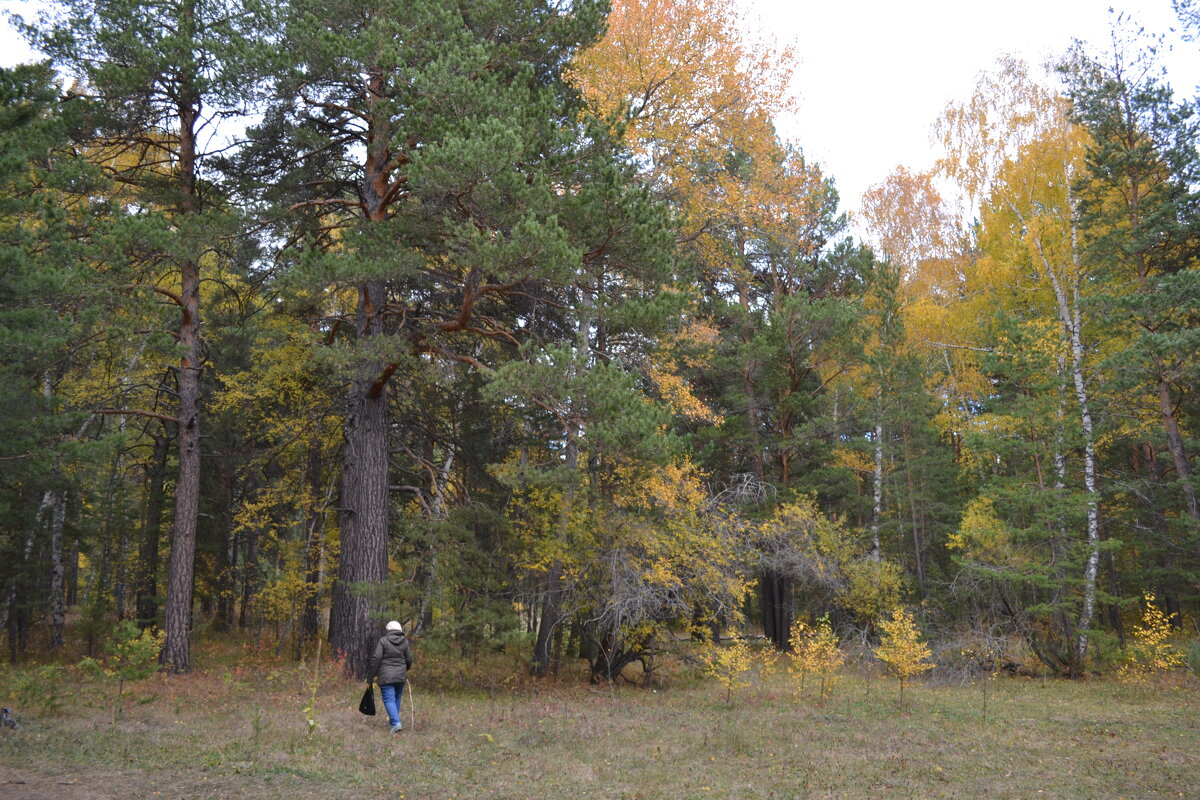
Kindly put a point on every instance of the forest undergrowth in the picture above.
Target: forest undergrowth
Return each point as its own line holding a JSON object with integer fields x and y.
{"x": 249, "y": 726}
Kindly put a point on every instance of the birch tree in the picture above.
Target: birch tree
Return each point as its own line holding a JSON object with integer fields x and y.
{"x": 1014, "y": 149}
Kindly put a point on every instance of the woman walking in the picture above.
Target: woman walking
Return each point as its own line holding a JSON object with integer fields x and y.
{"x": 392, "y": 660}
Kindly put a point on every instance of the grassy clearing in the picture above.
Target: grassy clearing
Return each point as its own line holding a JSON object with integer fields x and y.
{"x": 240, "y": 731}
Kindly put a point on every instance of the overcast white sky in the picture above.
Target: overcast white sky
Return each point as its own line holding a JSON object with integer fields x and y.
{"x": 875, "y": 74}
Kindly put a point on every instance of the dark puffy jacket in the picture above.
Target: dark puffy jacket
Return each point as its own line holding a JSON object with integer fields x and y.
{"x": 392, "y": 660}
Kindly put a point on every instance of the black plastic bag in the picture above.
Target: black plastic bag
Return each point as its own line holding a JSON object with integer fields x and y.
{"x": 367, "y": 704}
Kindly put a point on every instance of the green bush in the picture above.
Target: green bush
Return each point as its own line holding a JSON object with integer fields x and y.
{"x": 1191, "y": 656}
{"x": 132, "y": 656}
{"x": 39, "y": 688}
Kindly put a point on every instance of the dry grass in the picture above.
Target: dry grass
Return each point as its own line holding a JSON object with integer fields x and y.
{"x": 240, "y": 731}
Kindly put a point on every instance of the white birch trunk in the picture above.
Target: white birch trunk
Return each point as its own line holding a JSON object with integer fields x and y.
{"x": 437, "y": 514}
{"x": 877, "y": 504}
{"x": 1070, "y": 317}
{"x": 1067, "y": 303}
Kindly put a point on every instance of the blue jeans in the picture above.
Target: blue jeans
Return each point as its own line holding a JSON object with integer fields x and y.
{"x": 391, "y": 694}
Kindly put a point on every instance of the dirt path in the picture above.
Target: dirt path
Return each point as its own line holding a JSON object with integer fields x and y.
{"x": 26, "y": 785}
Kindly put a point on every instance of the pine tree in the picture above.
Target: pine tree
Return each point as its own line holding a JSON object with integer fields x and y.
{"x": 442, "y": 187}
{"x": 42, "y": 243}
{"x": 1140, "y": 215}
{"x": 157, "y": 74}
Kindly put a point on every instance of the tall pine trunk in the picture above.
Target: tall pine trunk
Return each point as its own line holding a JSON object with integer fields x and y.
{"x": 176, "y": 654}
{"x": 178, "y": 613}
{"x": 877, "y": 498}
{"x": 355, "y": 611}
{"x": 548, "y": 621}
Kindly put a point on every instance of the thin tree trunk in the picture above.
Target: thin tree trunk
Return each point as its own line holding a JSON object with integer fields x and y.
{"x": 551, "y": 614}
{"x": 1093, "y": 520}
{"x": 549, "y": 619}
{"x": 912, "y": 511}
{"x": 1073, "y": 322}
{"x": 121, "y": 594}
{"x": 314, "y": 550}
{"x": 777, "y": 609}
{"x": 249, "y": 572}
{"x": 15, "y": 617}
{"x": 58, "y": 611}
{"x": 1183, "y": 468}
{"x": 748, "y": 385}
{"x": 147, "y": 579}
{"x": 877, "y": 501}
{"x": 437, "y": 514}
{"x": 72, "y": 576}
{"x": 1067, "y": 300}
{"x": 228, "y": 548}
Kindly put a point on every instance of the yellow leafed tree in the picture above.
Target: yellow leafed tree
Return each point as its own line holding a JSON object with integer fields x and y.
{"x": 729, "y": 665}
{"x": 1151, "y": 650}
{"x": 696, "y": 99}
{"x": 815, "y": 652}
{"x": 901, "y": 649}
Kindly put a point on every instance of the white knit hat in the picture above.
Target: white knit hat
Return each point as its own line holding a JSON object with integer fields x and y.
{"x": 395, "y": 626}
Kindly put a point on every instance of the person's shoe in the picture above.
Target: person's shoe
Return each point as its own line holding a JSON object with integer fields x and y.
{"x": 397, "y": 727}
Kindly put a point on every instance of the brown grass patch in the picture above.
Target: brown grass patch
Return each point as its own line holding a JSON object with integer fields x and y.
{"x": 236, "y": 728}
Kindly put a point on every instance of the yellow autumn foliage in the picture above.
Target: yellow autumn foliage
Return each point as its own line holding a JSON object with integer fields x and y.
{"x": 684, "y": 76}
{"x": 729, "y": 665}
{"x": 644, "y": 558}
{"x": 815, "y": 652}
{"x": 679, "y": 397}
{"x": 871, "y": 586}
{"x": 855, "y": 460}
{"x": 688, "y": 87}
{"x": 982, "y": 536}
{"x": 901, "y": 649}
{"x": 1150, "y": 650}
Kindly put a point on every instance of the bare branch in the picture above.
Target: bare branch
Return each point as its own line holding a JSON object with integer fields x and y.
{"x": 137, "y": 412}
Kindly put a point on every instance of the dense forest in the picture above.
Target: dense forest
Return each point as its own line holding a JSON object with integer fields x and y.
{"x": 520, "y": 322}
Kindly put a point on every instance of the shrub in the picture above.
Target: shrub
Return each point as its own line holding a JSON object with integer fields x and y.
{"x": 728, "y": 665}
{"x": 40, "y": 688}
{"x": 1191, "y": 659}
{"x": 815, "y": 652}
{"x": 901, "y": 648}
{"x": 1150, "y": 650}
{"x": 132, "y": 656}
